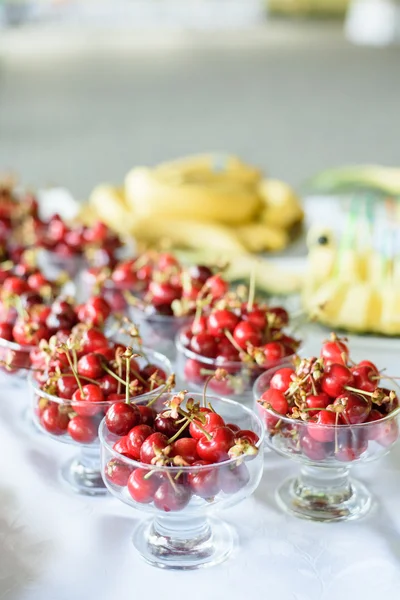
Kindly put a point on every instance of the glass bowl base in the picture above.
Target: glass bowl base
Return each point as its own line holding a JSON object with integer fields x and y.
{"x": 82, "y": 479}
{"x": 321, "y": 505}
{"x": 209, "y": 546}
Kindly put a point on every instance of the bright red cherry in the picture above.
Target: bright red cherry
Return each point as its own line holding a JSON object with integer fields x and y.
{"x": 121, "y": 446}
{"x": 96, "y": 310}
{"x": 192, "y": 371}
{"x": 117, "y": 472}
{"x": 272, "y": 353}
{"x": 365, "y": 378}
{"x": 335, "y": 378}
{"x": 245, "y": 333}
{"x": 121, "y": 417}
{"x": 93, "y": 339}
{"x": 186, "y": 448}
{"x": 217, "y": 286}
{"x": 147, "y": 414}
{"x": 282, "y": 379}
{"x": 66, "y": 386}
{"x": 82, "y": 429}
{"x": 142, "y": 488}
{"x": 6, "y": 331}
{"x": 90, "y": 365}
{"x": 53, "y": 420}
{"x": 204, "y": 482}
{"x": 355, "y": 408}
{"x": 317, "y": 402}
{"x": 86, "y": 404}
{"x": 322, "y": 427}
{"x": 164, "y": 423}
{"x": 155, "y": 442}
{"x": 211, "y": 422}
{"x": 221, "y": 320}
{"x": 163, "y": 293}
{"x": 277, "y": 400}
{"x": 199, "y": 325}
{"x": 15, "y": 285}
{"x": 256, "y": 317}
{"x": 216, "y": 448}
{"x": 335, "y": 351}
{"x": 247, "y": 435}
{"x": 108, "y": 384}
{"x": 204, "y": 344}
{"x": 135, "y": 439}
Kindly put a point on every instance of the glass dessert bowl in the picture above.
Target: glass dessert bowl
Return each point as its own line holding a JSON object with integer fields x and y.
{"x": 180, "y": 493}
{"x": 75, "y": 422}
{"x": 352, "y": 429}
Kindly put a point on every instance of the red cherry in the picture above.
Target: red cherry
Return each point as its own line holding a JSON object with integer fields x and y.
{"x": 277, "y": 400}
{"x": 199, "y": 325}
{"x": 313, "y": 449}
{"x": 233, "y": 478}
{"x": 204, "y": 344}
{"x": 280, "y": 316}
{"x": 165, "y": 261}
{"x": 322, "y": 429}
{"x": 90, "y": 366}
{"x": 256, "y": 317}
{"x": 211, "y": 422}
{"x": 53, "y": 420}
{"x": 273, "y": 353}
{"x": 36, "y": 281}
{"x": 220, "y": 320}
{"x": 121, "y": 417}
{"x": 319, "y": 401}
{"x": 200, "y": 273}
{"x": 282, "y": 379}
{"x": 192, "y": 371}
{"x": 335, "y": 378}
{"x": 217, "y": 286}
{"x": 164, "y": 423}
{"x": 335, "y": 351}
{"x": 121, "y": 446}
{"x": 149, "y": 370}
{"x": 185, "y": 448}
{"x": 156, "y": 441}
{"x": 97, "y": 233}
{"x": 365, "y": 378}
{"x": 92, "y": 340}
{"x": 356, "y": 409}
{"x": 87, "y": 404}
{"x": 245, "y": 333}
{"x": 223, "y": 388}
{"x": 248, "y": 436}
{"x": 204, "y": 482}
{"x": 66, "y": 386}
{"x": 142, "y": 489}
{"x": 135, "y": 439}
{"x": 117, "y": 472}
{"x": 216, "y": 449}
{"x": 6, "y": 331}
{"x": 113, "y": 397}
{"x": 147, "y": 415}
{"x": 108, "y": 384}
{"x": 233, "y": 427}
{"x": 29, "y": 333}
{"x": 368, "y": 363}
{"x": 15, "y": 285}
{"x": 82, "y": 429}
{"x": 96, "y": 311}
{"x": 171, "y": 497}
{"x": 163, "y": 293}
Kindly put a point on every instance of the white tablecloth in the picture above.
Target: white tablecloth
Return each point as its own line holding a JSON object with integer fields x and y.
{"x": 55, "y": 545}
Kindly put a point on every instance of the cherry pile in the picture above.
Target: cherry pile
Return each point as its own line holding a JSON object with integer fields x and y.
{"x": 331, "y": 396}
{"x": 78, "y": 376}
{"x": 173, "y": 447}
{"x": 158, "y": 284}
{"x": 241, "y": 337}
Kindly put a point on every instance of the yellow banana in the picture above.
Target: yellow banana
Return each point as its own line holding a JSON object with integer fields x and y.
{"x": 258, "y": 237}
{"x": 282, "y": 207}
{"x": 109, "y": 203}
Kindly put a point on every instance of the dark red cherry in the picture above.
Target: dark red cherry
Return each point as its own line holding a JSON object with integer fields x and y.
{"x": 121, "y": 417}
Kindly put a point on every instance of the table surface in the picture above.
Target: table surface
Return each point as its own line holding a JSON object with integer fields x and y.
{"x": 55, "y": 545}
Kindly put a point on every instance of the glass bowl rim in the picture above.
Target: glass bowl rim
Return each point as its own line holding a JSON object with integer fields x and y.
{"x": 189, "y": 468}
{"x": 33, "y": 385}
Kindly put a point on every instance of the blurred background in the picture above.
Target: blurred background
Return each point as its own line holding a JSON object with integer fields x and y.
{"x": 90, "y": 88}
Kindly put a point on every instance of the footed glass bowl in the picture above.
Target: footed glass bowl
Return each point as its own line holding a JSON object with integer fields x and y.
{"x": 183, "y": 531}
{"x": 323, "y": 490}
{"x": 15, "y": 361}
{"x": 82, "y": 473}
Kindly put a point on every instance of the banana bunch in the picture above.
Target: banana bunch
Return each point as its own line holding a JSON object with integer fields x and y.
{"x": 213, "y": 201}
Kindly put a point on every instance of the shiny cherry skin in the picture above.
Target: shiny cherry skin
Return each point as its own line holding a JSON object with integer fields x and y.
{"x": 92, "y": 340}
{"x": 66, "y": 386}
{"x": 217, "y": 286}
{"x": 121, "y": 446}
{"x": 233, "y": 427}
{"x": 97, "y": 310}
{"x": 204, "y": 344}
{"x": 256, "y": 317}
{"x": 216, "y": 449}
{"x": 273, "y": 353}
{"x": 282, "y": 379}
{"x": 317, "y": 402}
{"x": 211, "y": 422}
{"x": 82, "y": 429}
{"x": 365, "y": 378}
{"x": 53, "y": 420}
{"x": 147, "y": 414}
{"x": 163, "y": 293}
{"x": 163, "y": 423}
{"x": 90, "y": 365}
{"x": 121, "y": 417}
{"x": 186, "y": 448}
{"x": 15, "y": 285}
{"x": 87, "y": 404}
{"x": 245, "y": 333}
{"x": 233, "y": 478}
{"x": 199, "y": 325}
{"x": 171, "y": 497}
{"x": 221, "y": 320}
{"x": 142, "y": 489}
{"x": 355, "y": 408}
{"x": 135, "y": 439}
{"x": 335, "y": 378}
{"x": 335, "y": 352}
{"x": 117, "y": 472}
{"x": 108, "y": 384}
{"x": 322, "y": 427}
{"x": 204, "y": 482}
{"x": 277, "y": 400}
{"x": 200, "y": 273}
{"x": 368, "y": 363}
{"x": 155, "y": 441}
{"x": 28, "y": 333}
{"x": 280, "y": 316}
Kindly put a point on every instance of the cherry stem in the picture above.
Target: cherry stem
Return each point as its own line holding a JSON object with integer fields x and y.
{"x": 314, "y": 391}
{"x": 75, "y": 374}
{"x": 252, "y": 290}
{"x": 128, "y": 377}
{"x": 211, "y": 408}
{"x": 172, "y": 482}
{"x": 178, "y": 433}
{"x": 110, "y": 372}
{"x": 357, "y": 391}
{"x": 120, "y": 380}
{"x": 138, "y": 376}
{"x": 204, "y": 397}
{"x": 163, "y": 390}
{"x": 233, "y": 341}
